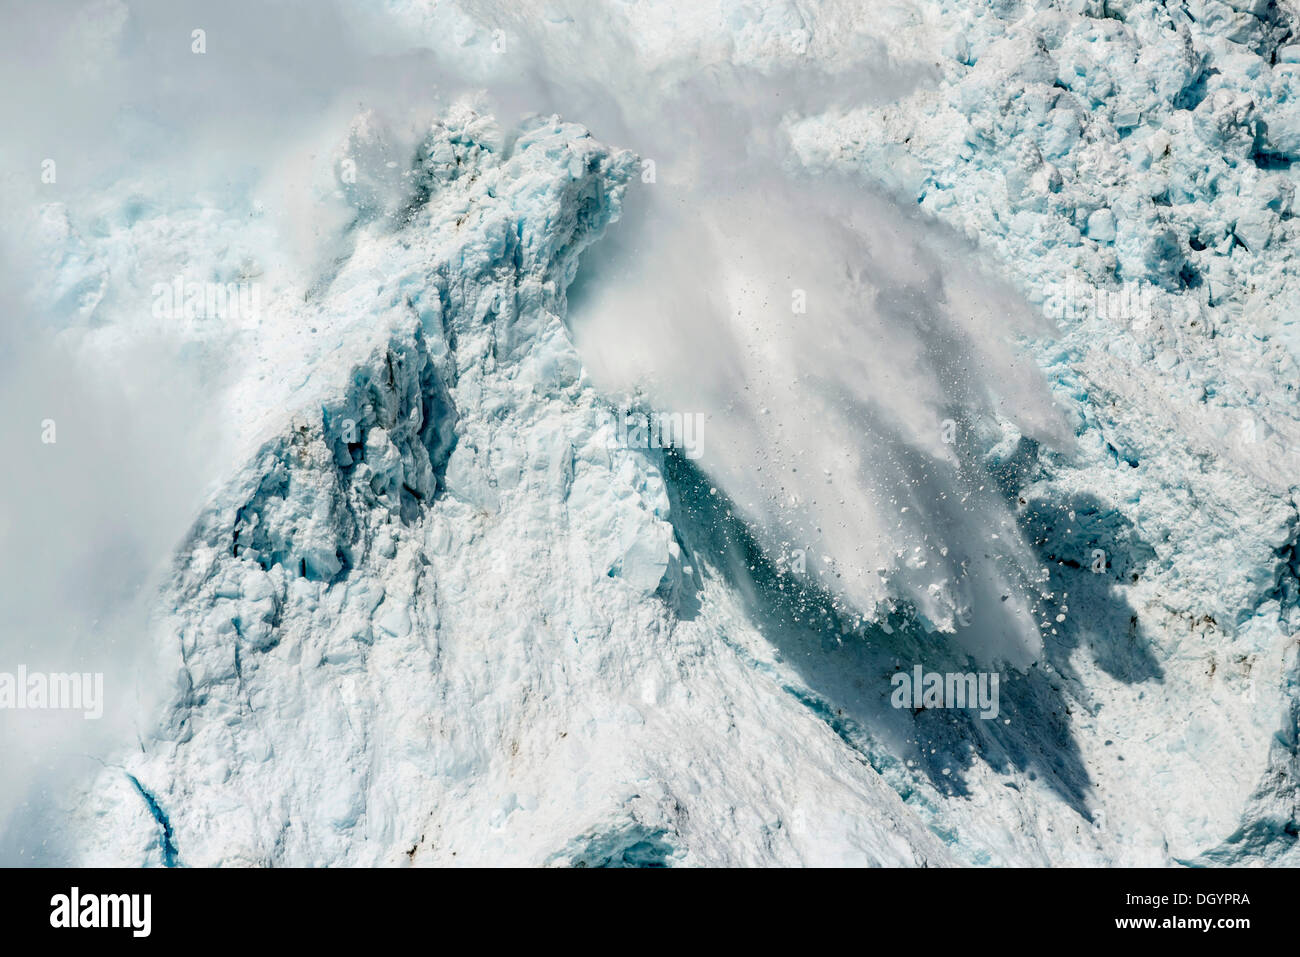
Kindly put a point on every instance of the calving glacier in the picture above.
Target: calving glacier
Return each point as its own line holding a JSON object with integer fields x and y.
{"x": 657, "y": 434}
{"x": 443, "y": 616}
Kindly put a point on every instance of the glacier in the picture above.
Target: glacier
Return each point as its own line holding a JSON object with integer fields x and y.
{"x": 436, "y": 610}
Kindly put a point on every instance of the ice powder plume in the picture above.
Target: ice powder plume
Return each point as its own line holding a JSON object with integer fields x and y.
{"x": 852, "y": 365}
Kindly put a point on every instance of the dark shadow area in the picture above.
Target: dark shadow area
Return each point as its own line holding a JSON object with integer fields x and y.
{"x": 846, "y": 665}
{"x": 1091, "y": 550}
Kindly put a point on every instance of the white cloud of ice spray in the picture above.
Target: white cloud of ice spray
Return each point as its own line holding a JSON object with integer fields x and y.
{"x": 826, "y": 426}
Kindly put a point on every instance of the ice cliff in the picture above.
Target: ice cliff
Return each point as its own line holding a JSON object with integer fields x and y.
{"x": 431, "y": 620}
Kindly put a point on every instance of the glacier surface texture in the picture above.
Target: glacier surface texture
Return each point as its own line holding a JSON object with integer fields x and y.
{"x": 980, "y": 319}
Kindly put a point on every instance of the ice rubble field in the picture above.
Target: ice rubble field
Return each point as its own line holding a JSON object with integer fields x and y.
{"x": 433, "y": 615}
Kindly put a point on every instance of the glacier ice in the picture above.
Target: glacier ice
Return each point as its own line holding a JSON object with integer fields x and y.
{"x": 437, "y": 611}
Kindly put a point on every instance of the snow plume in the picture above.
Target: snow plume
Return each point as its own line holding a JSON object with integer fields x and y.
{"x": 852, "y": 366}
{"x": 851, "y": 360}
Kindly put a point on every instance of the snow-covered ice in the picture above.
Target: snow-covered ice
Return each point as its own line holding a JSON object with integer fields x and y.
{"x": 1034, "y": 412}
